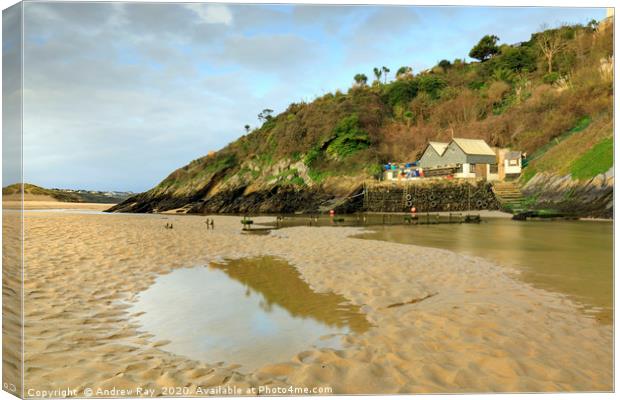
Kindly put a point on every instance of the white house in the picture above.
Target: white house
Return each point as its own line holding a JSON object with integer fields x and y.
{"x": 509, "y": 163}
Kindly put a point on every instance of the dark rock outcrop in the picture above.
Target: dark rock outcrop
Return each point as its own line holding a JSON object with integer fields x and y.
{"x": 278, "y": 199}
{"x": 582, "y": 198}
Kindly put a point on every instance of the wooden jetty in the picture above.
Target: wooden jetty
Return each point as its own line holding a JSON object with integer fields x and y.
{"x": 433, "y": 219}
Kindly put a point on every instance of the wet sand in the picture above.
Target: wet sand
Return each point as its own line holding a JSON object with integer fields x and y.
{"x": 570, "y": 257}
{"x": 441, "y": 322}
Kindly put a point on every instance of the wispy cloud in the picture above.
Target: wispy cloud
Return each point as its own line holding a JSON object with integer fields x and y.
{"x": 212, "y": 13}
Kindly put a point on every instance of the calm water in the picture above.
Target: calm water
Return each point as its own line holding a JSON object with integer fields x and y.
{"x": 249, "y": 312}
{"x": 571, "y": 257}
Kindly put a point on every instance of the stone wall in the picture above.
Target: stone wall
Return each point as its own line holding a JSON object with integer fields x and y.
{"x": 435, "y": 195}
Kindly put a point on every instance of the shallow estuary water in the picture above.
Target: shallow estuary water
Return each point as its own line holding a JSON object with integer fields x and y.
{"x": 574, "y": 258}
{"x": 570, "y": 257}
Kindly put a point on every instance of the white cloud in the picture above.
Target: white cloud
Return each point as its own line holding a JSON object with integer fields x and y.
{"x": 212, "y": 13}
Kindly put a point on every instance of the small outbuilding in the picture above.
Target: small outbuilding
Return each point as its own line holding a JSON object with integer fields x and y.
{"x": 510, "y": 164}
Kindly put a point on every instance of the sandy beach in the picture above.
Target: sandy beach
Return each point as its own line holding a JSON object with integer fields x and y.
{"x": 53, "y": 205}
{"x": 482, "y": 330}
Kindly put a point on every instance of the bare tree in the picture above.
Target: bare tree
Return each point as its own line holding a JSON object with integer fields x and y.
{"x": 265, "y": 115}
{"x": 550, "y": 42}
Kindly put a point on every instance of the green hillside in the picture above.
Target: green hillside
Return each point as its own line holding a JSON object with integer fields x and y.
{"x": 551, "y": 97}
{"x": 37, "y": 191}
{"x": 34, "y": 192}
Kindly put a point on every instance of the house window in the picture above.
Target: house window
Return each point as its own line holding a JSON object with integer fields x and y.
{"x": 492, "y": 168}
{"x": 513, "y": 163}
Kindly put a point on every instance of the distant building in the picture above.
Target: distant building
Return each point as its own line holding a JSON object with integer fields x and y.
{"x": 432, "y": 154}
{"x": 461, "y": 158}
{"x": 509, "y": 164}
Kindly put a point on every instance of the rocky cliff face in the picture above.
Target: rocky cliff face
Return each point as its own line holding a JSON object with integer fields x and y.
{"x": 583, "y": 198}
{"x": 284, "y": 187}
{"x": 278, "y": 199}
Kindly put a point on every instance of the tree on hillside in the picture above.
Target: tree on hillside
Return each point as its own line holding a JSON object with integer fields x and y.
{"x": 377, "y": 73}
{"x": 386, "y": 70}
{"x": 445, "y": 64}
{"x": 592, "y": 25}
{"x": 404, "y": 72}
{"x": 485, "y": 49}
{"x": 247, "y": 128}
{"x": 265, "y": 115}
{"x": 360, "y": 79}
{"x": 550, "y": 43}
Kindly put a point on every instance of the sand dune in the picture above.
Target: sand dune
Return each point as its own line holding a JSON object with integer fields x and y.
{"x": 482, "y": 330}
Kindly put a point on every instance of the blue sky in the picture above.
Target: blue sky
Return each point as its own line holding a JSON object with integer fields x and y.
{"x": 118, "y": 95}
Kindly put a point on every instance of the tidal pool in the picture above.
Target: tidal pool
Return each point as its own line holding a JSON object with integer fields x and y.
{"x": 250, "y": 312}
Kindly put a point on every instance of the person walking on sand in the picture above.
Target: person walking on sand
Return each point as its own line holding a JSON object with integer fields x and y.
{"x": 212, "y": 225}
{"x": 207, "y": 222}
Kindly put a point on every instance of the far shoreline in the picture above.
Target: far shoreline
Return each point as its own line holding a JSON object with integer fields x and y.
{"x": 53, "y": 205}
